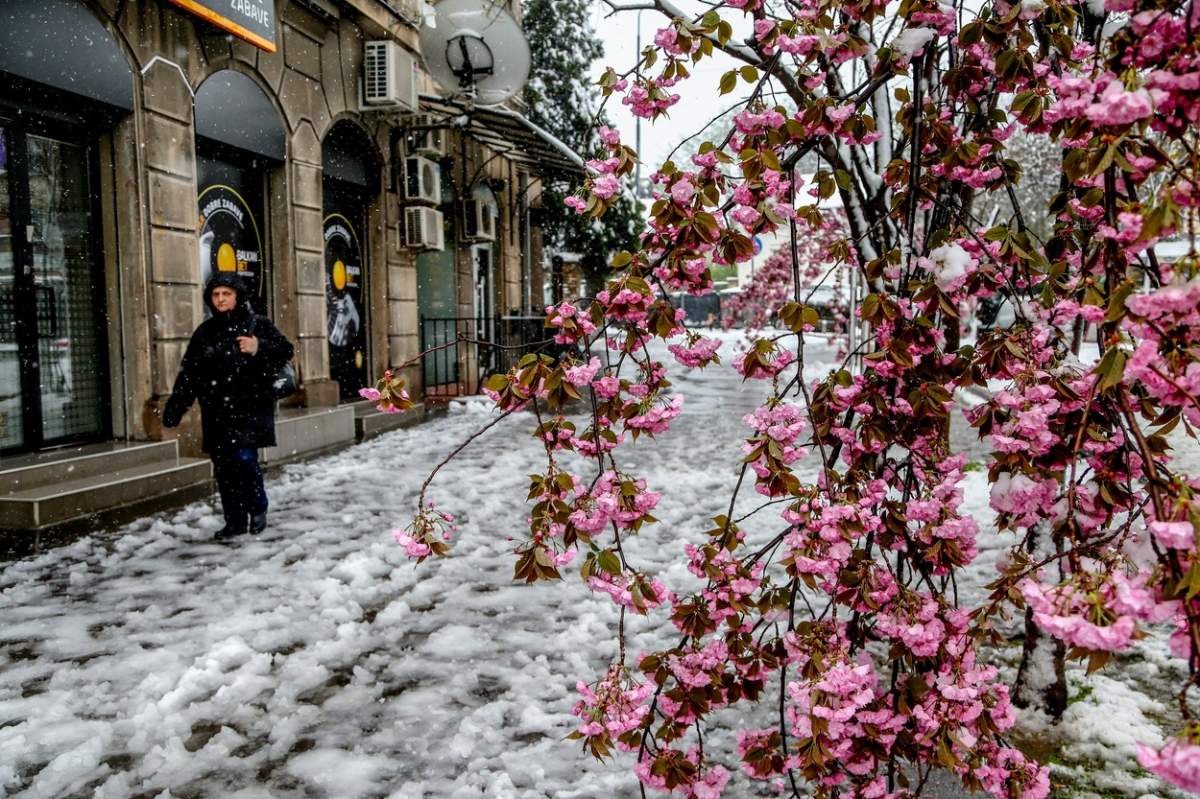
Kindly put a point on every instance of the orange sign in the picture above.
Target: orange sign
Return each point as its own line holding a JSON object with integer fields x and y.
{"x": 252, "y": 20}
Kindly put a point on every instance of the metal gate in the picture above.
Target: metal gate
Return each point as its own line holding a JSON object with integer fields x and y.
{"x": 461, "y": 352}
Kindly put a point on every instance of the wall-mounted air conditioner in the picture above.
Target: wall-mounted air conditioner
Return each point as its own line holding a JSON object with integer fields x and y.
{"x": 389, "y": 76}
{"x": 479, "y": 220}
{"x": 423, "y": 229}
{"x": 422, "y": 180}
{"x": 424, "y": 136}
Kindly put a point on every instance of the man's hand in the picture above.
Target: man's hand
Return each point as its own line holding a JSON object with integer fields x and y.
{"x": 248, "y": 344}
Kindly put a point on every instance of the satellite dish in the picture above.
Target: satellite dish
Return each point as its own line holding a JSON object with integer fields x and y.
{"x": 475, "y": 49}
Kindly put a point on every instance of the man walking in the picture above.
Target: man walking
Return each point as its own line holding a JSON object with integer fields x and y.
{"x": 229, "y": 365}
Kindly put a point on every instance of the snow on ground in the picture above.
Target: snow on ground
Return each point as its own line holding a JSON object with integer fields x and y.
{"x": 316, "y": 661}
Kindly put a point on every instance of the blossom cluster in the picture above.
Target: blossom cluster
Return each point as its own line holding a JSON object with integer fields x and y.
{"x": 847, "y": 618}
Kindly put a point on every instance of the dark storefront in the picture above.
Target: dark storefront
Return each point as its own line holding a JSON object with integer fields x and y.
{"x": 145, "y": 146}
{"x": 55, "y": 102}
{"x": 350, "y": 183}
{"x": 239, "y": 139}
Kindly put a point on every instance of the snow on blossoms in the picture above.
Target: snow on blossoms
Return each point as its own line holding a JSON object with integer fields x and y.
{"x": 571, "y": 325}
{"x": 839, "y": 607}
{"x": 609, "y": 710}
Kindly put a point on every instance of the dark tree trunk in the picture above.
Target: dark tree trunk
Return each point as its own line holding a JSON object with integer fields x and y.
{"x": 1041, "y": 679}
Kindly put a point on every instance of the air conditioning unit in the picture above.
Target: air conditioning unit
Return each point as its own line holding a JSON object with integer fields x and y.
{"x": 479, "y": 221}
{"x": 424, "y": 136}
{"x": 422, "y": 180}
{"x": 389, "y": 76}
{"x": 423, "y": 229}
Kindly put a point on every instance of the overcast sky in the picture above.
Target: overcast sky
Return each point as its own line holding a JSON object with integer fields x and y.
{"x": 699, "y": 100}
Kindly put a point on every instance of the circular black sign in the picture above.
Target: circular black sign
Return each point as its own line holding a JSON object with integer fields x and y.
{"x": 344, "y": 303}
{"x": 230, "y": 241}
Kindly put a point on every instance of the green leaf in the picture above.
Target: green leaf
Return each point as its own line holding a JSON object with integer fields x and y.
{"x": 870, "y": 306}
{"x": 749, "y": 74}
{"x": 609, "y": 562}
{"x": 728, "y": 82}
{"x": 1116, "y": 303}
{"x": 1111, "y": 368}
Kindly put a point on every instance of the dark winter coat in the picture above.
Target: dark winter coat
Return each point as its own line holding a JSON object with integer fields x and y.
{"x": 237, "y": 408}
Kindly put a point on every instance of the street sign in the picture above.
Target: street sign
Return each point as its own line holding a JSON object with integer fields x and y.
{"x": 252, "y": 20}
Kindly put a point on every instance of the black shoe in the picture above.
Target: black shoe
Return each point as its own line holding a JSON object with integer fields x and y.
{"x": 258, "y": 522}
{"x": 227, "y": 532}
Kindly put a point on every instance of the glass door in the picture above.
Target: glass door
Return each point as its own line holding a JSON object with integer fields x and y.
{"x": 230, "y": 204}
{"x": 345, "y": 286}
{"x": 485, "y": 306}
{"x": 12, "y": 427}
{"x": 52, "y": 350}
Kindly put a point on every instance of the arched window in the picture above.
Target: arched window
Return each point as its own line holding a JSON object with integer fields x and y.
{"x": 239, "y": 136}
{"x": 350, "y": 182}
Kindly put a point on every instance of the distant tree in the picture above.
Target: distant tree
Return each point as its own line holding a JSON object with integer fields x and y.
{"x": 773, "y": 284}
{"x": 564, "y": 101}
{"x": 1039, "y": 160}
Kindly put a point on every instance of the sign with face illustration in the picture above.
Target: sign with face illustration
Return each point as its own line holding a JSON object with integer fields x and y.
{"x": 230, "y": 240}
{"x": 344, "y": 300}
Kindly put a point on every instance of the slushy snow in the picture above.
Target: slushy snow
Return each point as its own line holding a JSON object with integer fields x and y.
{"x": 316, "y": 661}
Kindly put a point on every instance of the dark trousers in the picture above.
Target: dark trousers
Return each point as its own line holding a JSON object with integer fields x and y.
{"x": 240, "y": 481}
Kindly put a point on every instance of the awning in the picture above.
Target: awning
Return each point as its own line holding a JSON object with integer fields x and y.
{"x": 511, "y": 135}
{"x": 231, "y": 109}
{"x": 62, "y": 44}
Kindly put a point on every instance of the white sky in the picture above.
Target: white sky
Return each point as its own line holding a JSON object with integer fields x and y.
{"x": 699, "y": 100}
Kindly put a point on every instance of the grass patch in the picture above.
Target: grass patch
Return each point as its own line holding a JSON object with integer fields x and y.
{"x": 1085, "y": 691}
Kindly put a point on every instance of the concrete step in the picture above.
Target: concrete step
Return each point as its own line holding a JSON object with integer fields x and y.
{"x": 301, "y": 432}
{"x": 370, "y": 423}
{"x": 23, "y": 472}
{"x": 47, "y": 505}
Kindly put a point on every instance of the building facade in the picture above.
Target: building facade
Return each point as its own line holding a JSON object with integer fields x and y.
{"x": 145, "y": 144}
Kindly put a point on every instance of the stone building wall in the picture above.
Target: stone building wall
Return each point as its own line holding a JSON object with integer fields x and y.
{"x": 312, "y": 83}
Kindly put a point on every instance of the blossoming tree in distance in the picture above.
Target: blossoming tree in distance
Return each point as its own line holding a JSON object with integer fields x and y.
{"x": 846, "y": 626}
{"x": 771, "y": 286}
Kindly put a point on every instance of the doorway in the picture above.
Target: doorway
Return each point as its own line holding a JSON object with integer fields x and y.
{"x": 54, "y": 385}
{"x": 485, "y": 309}
{"x": 345, "y": 291}
{"x": 230, "y": 204}
{"x": 485, "y": 299}
{"x": 350, "y": 183}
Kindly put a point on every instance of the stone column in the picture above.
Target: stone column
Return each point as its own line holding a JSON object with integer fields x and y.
{"x": 176, "y": 306}
{"x": 308, "y": 255}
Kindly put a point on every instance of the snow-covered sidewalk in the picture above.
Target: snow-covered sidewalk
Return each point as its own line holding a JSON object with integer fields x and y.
{"x": 316, "y": 661}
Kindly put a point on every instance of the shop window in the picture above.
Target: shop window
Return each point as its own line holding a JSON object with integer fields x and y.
{"x": 239, "y": 139}
{"x": 351, "y": 181}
